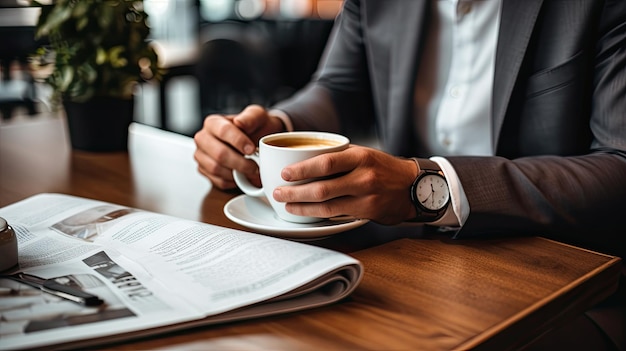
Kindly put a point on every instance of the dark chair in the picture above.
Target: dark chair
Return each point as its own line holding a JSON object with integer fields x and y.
{"x": 17, "y": 42}
{"x": 237, "y": 67}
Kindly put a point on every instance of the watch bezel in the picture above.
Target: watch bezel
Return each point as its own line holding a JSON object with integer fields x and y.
{"x": 415, "y": 184}
{"x": 424, "y": 214}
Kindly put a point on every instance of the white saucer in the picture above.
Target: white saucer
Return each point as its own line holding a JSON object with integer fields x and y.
{"x": 256, "y": 213}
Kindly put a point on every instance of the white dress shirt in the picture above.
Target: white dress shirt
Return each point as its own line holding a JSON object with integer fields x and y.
{"x": 454, "y": 89}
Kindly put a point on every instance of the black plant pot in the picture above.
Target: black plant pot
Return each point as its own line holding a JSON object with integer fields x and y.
{"x": 100, "y": 124}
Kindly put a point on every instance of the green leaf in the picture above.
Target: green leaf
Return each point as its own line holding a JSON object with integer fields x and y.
{"x": 53, "y": 20}
{"x": 81, "y": 9}
{"x": 114, "y": 57}
{"x": 101, "y": 56}
{"x": 66, "y": 77}
{"x": 97, "y": 45}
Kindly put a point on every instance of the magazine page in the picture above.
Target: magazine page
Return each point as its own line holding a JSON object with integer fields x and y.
{"x": 153, "y": 270}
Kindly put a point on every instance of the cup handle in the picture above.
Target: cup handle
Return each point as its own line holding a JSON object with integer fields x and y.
{"x": 244, "y": 184}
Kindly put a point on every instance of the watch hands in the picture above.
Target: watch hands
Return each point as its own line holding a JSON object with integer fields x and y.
{"x": 426, "y": 199}
{"x": 430, "y": 196}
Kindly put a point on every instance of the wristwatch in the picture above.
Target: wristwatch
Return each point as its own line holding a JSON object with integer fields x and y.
{"x": 429, "y": 192}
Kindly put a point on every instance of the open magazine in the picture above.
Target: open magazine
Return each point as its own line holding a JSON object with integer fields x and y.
{"x": 155, "y": 273}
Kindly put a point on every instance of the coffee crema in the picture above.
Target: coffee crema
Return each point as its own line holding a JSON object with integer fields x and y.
{"x": 302, "y": 142}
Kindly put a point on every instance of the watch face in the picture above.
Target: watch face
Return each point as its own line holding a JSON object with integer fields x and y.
{"x": 432, "y": 192}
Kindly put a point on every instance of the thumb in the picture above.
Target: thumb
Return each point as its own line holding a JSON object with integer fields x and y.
{"x": 251, "y": 119}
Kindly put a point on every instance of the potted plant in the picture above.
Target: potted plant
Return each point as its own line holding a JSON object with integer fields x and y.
{"x": 101, "y": 51}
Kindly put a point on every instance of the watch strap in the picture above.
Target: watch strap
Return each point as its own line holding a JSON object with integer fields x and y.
{"x": 424, "y": 164}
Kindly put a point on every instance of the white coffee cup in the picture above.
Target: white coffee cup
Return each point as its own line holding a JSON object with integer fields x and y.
{"x": 276, "y": 151}
{"x": 8, "y": 246}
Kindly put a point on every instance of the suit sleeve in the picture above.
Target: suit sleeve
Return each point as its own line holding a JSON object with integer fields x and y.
{"x": 340, "y": 87}
{"x": 579, "y": 199}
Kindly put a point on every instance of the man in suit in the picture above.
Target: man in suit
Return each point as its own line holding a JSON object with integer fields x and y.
{"x": 521, "y": 103}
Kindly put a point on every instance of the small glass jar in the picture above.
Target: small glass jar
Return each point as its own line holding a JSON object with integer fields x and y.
{"x": 8, "y": 246}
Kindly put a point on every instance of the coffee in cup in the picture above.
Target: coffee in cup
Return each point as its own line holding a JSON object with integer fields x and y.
{"x": 302, "y": 142}
{"x": 277, "y": 151}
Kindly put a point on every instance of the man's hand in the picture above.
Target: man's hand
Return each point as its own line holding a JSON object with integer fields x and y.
{"x": 359, "y": 182}
{"x": 223, "y": 140}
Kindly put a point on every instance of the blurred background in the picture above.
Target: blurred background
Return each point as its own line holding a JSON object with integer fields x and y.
{"x": 218, "y": 56}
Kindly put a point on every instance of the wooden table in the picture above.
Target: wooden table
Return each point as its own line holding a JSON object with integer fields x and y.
{"x": 417, "y": 293}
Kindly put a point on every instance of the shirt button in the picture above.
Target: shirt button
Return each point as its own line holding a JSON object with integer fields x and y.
{"x": 446, "y": 142}
{"x": 464, "y": 7}
{"x": 454, "y": 92}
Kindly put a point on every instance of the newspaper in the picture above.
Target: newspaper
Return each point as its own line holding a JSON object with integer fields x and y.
{"x": 154, "y": 272}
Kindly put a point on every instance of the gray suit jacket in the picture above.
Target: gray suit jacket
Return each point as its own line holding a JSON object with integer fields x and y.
{"x": 559, "y": 111}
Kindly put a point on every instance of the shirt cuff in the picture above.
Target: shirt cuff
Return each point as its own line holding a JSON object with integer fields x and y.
{"x": 457, "y": 213}
{"x": 283, "y": 117}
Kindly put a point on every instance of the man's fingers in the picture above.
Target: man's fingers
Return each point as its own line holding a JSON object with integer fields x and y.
{"x": 337, "y": 207}
{"x": 223, "y": 129}
{"x": 248, "y": 120}
{"x": 323, "y": 165}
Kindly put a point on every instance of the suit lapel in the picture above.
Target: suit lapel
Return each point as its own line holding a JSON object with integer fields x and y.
{"x": 403, "y": 68}
{"x": 517, "y": 22}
